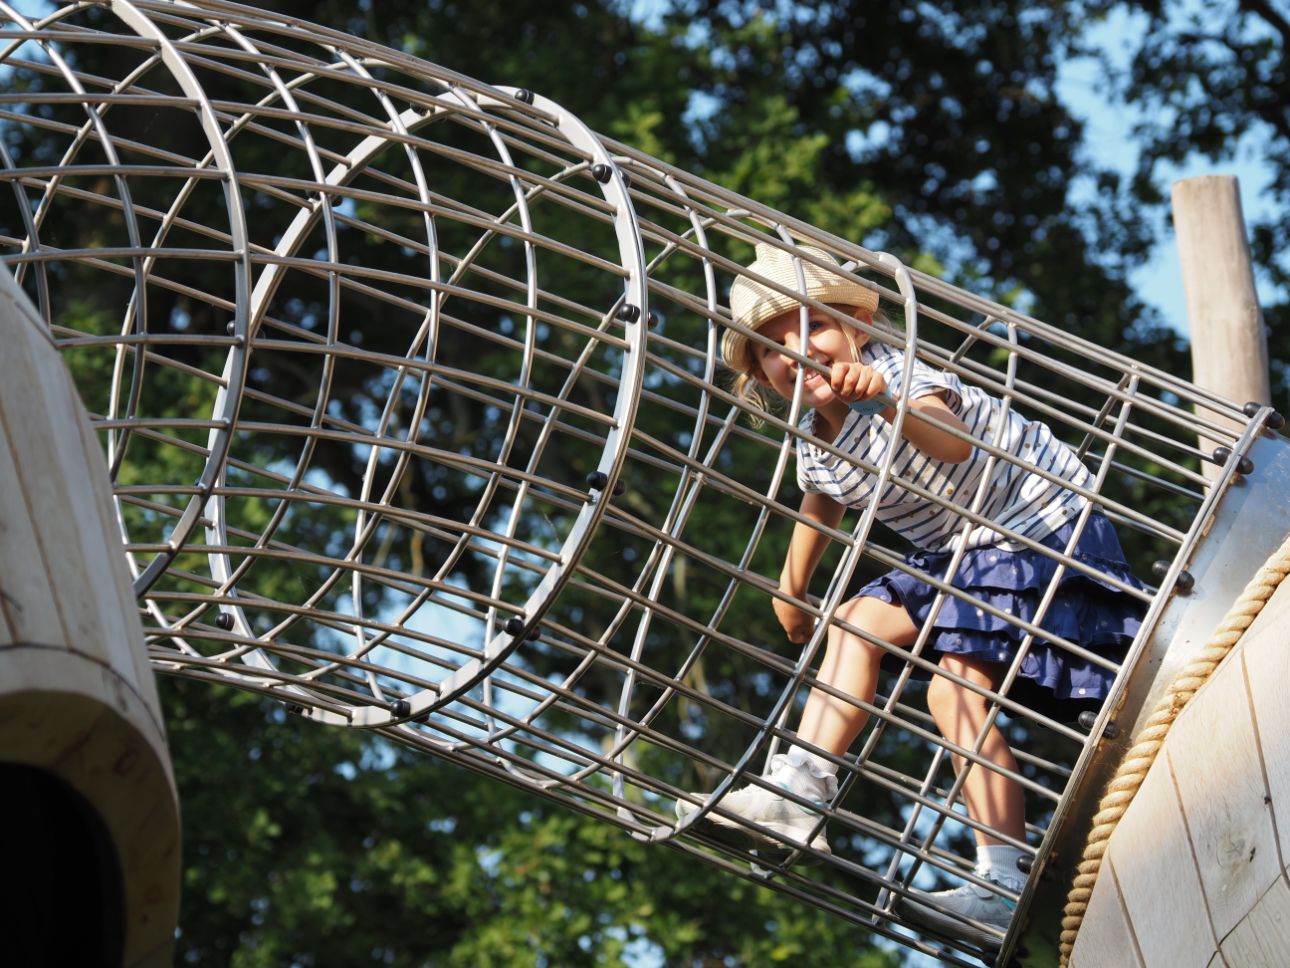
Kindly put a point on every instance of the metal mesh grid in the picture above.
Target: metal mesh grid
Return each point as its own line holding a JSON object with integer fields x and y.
{"x": 423, "y": 429}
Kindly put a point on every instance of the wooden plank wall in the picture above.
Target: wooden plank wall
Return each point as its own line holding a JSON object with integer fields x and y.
{"x": 1195, "y": 873}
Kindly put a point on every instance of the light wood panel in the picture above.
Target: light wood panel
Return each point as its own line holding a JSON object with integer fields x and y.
{"x": 1263, "y": 936}
{"x": 1107, "y": 936}
{"x": 1157, "y": 874}
{"x": 1198, "y": 860}
{"x": 1267, "y": 664}
{"x": 77, "y": 697}
{"x": 1215, "y": 760}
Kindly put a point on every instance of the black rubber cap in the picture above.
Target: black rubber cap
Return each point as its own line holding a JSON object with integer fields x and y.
{"x": 1243, "y": 464}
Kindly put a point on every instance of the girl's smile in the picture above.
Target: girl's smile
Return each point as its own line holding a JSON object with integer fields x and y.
{"x": 826, "y": 344}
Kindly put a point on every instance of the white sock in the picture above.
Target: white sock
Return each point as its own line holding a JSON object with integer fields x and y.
{"x": 813, "y": 763}
{"x": 999, "y": 863}
{"x": 806, "y": 774}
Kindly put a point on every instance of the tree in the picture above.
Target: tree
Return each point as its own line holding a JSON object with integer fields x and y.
{"x": 1213, "y": 83}
{"x": 320, "y": 848}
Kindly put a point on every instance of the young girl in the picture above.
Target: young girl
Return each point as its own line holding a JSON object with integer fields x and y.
{"x": 971, "y": 643}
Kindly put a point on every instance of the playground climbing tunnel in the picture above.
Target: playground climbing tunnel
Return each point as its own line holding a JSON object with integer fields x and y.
{"x": 411, "y": 393}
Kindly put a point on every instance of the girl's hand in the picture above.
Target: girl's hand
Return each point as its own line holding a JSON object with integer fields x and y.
{"x": 798, "y": 624}
{"x": 856, "y": 381}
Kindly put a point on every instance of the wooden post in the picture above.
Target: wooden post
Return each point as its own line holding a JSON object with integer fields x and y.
{"x": 89, "y": 815}
{"x": 1229, "y": 349}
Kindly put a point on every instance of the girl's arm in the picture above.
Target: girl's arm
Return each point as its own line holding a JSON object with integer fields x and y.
{"x": 805, "y": 549}
{"x": 927, "y": 437}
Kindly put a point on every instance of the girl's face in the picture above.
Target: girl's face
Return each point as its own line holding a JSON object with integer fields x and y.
{"x": 826, "y": 344}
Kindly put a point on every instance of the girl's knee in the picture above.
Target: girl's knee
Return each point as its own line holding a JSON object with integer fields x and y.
{"x": 947, "y": 697}
{"x": 845, "y": 643}
{"x": 941, "y": 695}
{"x": 887, "y": 621}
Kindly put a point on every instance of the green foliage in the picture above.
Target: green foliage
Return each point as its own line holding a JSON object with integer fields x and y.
{"x": 312, "y": 847}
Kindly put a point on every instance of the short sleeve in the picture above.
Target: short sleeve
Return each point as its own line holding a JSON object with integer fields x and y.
{"x": 924, "y": 380}
{"x": 805, "y": 481}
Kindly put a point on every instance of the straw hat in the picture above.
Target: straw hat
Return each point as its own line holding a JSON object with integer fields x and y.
{"x": 752, "y": 303}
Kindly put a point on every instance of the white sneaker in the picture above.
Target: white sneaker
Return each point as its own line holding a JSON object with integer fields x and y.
{"x": 954, "y": 910}
{"x": 791, "y": 823}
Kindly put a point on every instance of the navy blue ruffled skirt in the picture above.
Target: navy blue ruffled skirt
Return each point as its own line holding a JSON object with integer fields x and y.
{"x": 1085, "y": 611}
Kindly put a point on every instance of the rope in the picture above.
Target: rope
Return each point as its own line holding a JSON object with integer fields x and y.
{"x": 1142, "y": 754}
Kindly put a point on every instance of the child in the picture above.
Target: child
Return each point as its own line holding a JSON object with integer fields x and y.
{"x": 970, "y": 643}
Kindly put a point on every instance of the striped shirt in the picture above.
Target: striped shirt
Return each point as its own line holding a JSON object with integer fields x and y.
{"x": 1014, "y": 496}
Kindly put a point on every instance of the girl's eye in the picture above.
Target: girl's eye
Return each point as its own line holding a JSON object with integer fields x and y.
{"x": 814, "y": 324}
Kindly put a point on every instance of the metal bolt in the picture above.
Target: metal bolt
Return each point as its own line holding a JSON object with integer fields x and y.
{"x": 224, "y": 620}
{"x": 651, "y": 319}
{"x": 1025, "y": 863}
{"x": 1276, "y": 421}
{"x": 629, "y": 313}
{"x": 514, "y": 625}
{"x": 231, "y": 328}
{"x": 602, "y": 173}
{"x": 1088, "y": 719}
{"x": 1186, "y": 580}
{"x": 597, "y": 480}
{"x": 525, "y": 95}
{"x": 400, "y": 709}
{"x": 1243, "y": 465}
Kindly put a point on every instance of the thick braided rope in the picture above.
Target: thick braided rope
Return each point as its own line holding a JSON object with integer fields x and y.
{"x": 1146, "y": 746}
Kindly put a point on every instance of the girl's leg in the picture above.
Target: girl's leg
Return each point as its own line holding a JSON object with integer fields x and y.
{"x": 991, "y": 798}
{"x": 851, "y": 666}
